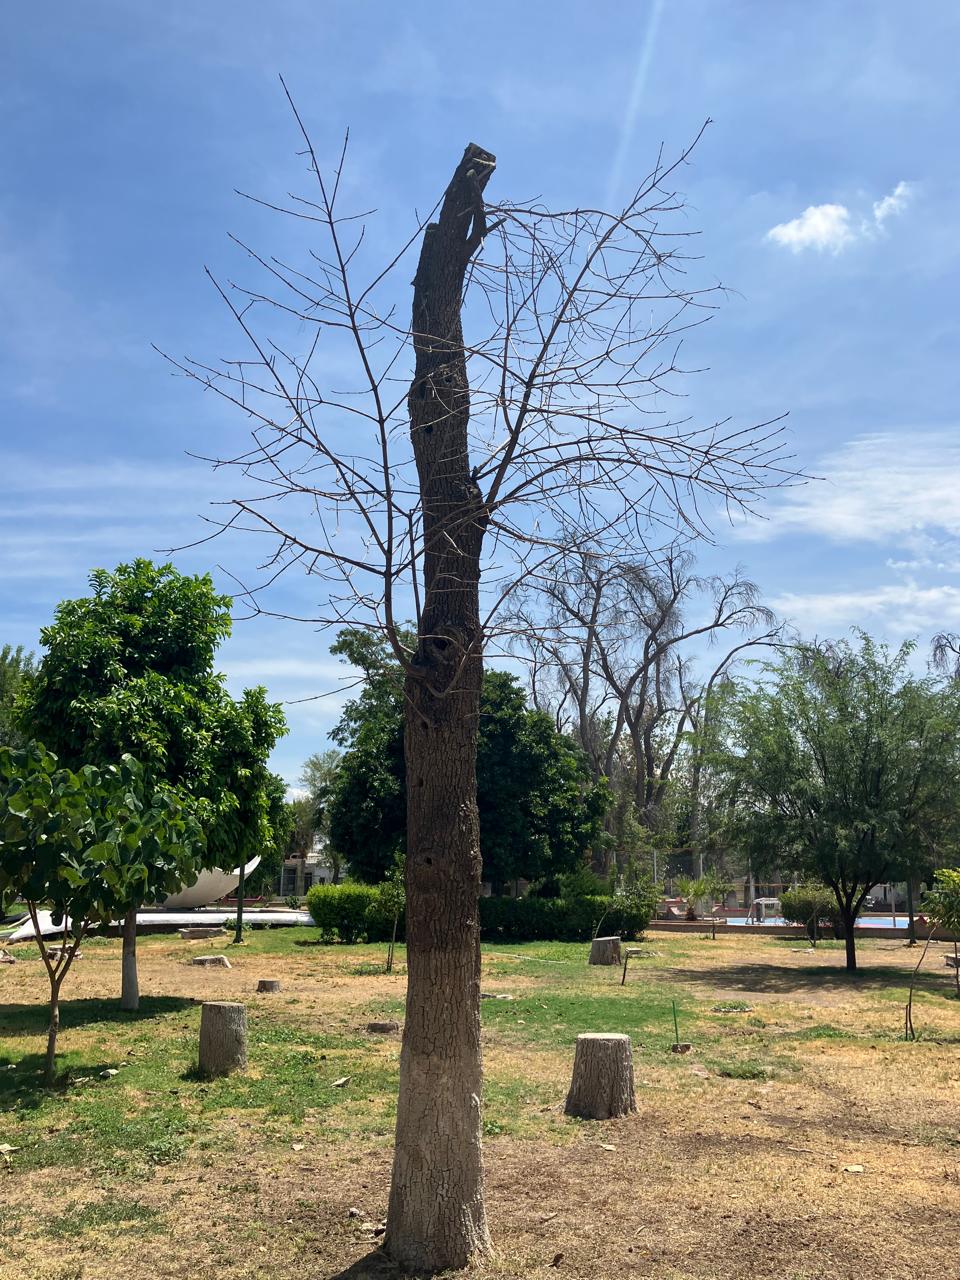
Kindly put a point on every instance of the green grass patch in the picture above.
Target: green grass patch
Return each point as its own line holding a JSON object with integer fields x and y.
{"x": 104, "y": 1215}
{"x": 745, "y": 1070}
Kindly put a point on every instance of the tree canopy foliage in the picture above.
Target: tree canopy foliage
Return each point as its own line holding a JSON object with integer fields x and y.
{"x": 129, "y": 669}
{"x": 540, "y": 811}
{"x": 89, "y": 845}
{"x": 846, "y": 767}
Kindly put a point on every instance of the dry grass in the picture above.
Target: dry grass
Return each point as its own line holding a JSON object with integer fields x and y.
{"x": 737, "y": 1164}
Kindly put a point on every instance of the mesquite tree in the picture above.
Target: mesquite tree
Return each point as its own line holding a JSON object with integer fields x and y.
{"x": 610, "y": 645}
{"x": 845, "y": 767}
{"x": 431, "y": 461}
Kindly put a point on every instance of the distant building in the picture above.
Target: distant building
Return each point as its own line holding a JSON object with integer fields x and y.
{"x": 300, "y": 873}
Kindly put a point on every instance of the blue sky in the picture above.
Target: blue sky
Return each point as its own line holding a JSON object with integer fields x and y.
{"x": 826, "y": 191}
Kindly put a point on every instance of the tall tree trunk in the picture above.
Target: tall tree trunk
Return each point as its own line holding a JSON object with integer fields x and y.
{"x": 129, "y": 984}
{"x": 849, "y": 916}
{"x": 851, "y": 946}
{"x": 436, "y": 1218}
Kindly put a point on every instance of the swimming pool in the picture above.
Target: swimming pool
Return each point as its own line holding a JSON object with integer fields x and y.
{"x": 863, "y": 922}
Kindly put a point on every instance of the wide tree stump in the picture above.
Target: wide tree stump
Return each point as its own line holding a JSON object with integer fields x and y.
{"x": 269, "y": 984}
{"x": 212, "y": 962}
{"x": 605, "y": 951}
{"x": 602, "y": 1084}
{"x": 223, "y": 1037}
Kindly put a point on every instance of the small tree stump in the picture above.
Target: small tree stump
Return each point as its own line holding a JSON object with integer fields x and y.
{"x": 383, "y": 1028}
{"x": 212, "y": 962}
{"x": 602, "y": 1084}
{"x": 223, "y": 1037}
{"x": 269, "y": 984}
{"x": 605, "y": 951}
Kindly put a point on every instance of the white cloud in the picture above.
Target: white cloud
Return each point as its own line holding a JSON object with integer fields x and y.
{"x": 831, "y": 228}
{"x": 821, "y": 227}
{"x": 893, "y": 204}
{"x": 899, "y": 609}
{"x": 892, "y": 487}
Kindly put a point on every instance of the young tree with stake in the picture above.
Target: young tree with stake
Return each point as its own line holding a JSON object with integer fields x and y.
{"x": 85, "y": 844}
{"x": 407, "y": 490}
{"x": 130, "y": 669}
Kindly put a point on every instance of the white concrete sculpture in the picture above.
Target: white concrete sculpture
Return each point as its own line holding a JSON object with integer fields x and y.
{"x": 209, "y": 886}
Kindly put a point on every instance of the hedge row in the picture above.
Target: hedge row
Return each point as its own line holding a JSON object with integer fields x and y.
{"x": 355, "y": 913}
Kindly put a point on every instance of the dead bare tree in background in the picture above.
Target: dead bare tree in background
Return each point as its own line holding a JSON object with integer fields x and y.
{"x": 608, "y": 646}
{"x": 443, "y": 461}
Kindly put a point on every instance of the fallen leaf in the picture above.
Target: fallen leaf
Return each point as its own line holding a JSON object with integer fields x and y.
{"x": 5, "y": 1148}
{"x": 338, "y": 1084}
{"x": 606, "y": 1146}
{"x": 298, "y": 1146}
{"x": 853, "y": 1168}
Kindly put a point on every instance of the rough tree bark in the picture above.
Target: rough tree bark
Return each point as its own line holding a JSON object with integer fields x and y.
{"x": 223, "y": 1038}
{"x": 602, "y": 1084}
{"x": 605, "y": 951}
{"x": 436, "y": 1218}
{"x": 129, "y": 982}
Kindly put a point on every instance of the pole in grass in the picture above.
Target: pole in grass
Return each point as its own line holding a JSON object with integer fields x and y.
{"x": 677, "y": 1046}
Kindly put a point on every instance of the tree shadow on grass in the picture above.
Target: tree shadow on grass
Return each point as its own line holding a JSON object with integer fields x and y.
{"x": 22, "y": 1084}
{"x": 374, "y": 1265}
{"x": 778, "y": 979}
{"x": 32, "y": 1019}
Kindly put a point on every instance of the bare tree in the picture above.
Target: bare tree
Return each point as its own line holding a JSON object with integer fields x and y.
{"x": 401, "y": 491}
{"x": 608, "y": 645}
{"x": 945, "y": 653}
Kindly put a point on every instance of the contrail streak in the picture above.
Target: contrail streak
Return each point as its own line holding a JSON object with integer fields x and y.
{"x": 633, "y": 106}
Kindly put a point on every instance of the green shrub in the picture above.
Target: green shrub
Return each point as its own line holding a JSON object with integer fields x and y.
{"x": 342, "y": 909}
{"x": 356, "y": 912}
{"x": 808, "y": 902}
{"x": 561, "y": 919}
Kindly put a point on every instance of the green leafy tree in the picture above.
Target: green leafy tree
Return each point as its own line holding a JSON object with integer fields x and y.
{"x": 129, "y": 669}
{"x": 539, "y": 810}
{"x": 846, "y": 768}
{"x": 16, "y": 667}
{"x": 87, "y": 844}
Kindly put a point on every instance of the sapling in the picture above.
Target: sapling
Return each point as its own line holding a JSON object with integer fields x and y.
{"x": 84, "y": 845}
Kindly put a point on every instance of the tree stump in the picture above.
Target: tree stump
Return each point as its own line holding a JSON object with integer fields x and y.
{"x": 605, "y": 951}
{"x": 212, "y": 962}
{"x": 223, "y": 1037}
{"x": 383, "y": 1028}
{"x": 269, "y": 984}
{"x": 602, "y": 1084}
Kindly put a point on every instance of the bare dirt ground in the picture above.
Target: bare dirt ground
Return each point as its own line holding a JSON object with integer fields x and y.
{"x": 801, "y": 1137}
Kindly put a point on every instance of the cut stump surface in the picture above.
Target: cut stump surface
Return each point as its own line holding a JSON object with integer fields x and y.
{"x": 602, "y": 1084}
{"x": 605, "y": 951}
{"x": 223, "y": 1038}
